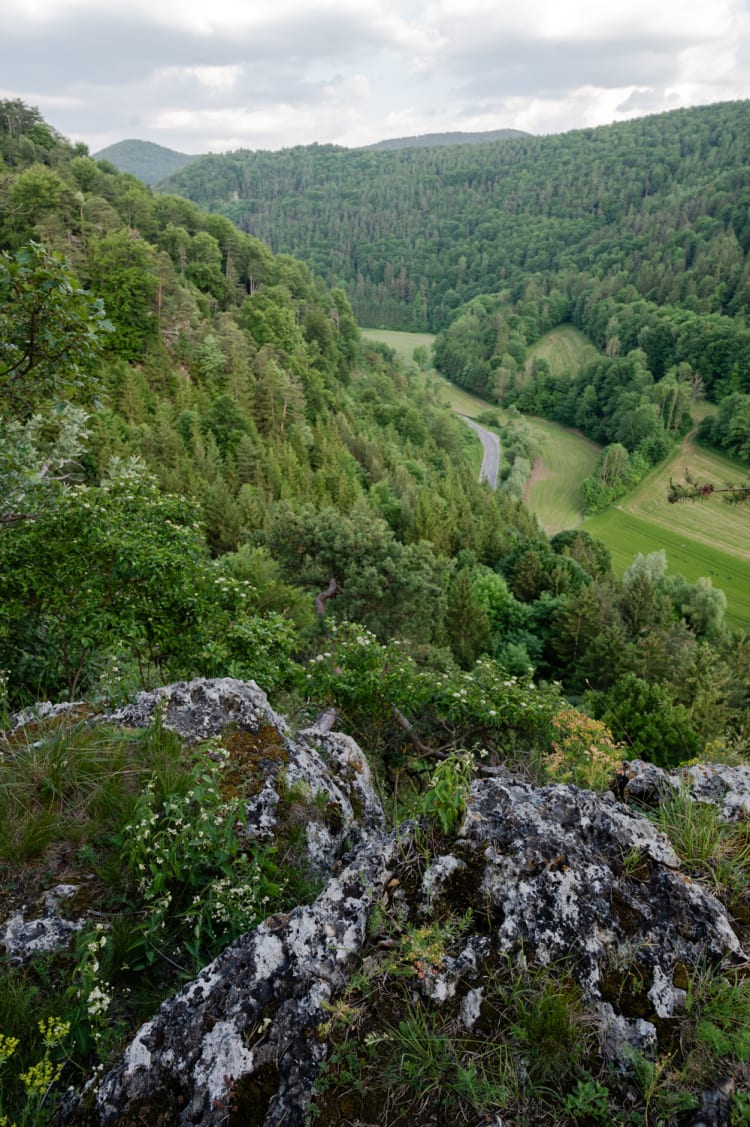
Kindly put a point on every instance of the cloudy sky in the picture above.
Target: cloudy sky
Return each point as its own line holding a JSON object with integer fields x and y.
{"x": 212, "y": 75}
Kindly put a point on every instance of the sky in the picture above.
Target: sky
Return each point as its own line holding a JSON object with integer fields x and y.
{"x": 214, "y": 75}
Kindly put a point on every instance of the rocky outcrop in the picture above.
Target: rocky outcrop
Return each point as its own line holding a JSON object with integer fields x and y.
{"x": 323, "y": 776}
{"x": 319, "y": 783}
{"x": 537, "y": 874}
{"x": 727, "y": 788}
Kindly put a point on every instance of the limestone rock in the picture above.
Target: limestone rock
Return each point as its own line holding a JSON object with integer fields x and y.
{"x": 727, "y": 788}
{"x": 31, "y": 931}
{"x": 548, "y": 873}
{"x": 320, "y": 778}
{"x": 244, "y": 1030}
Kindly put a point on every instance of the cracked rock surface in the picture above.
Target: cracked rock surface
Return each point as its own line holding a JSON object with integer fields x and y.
{"x": 329, "y": 772}
{"x": 548, "y": 872}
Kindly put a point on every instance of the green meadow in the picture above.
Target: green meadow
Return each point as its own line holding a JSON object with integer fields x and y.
{"x": 625, "y": 535}
{"x": 403, "y": 344}
{"x": 565, "y": 349}
{"x": 702, "y": 538}
{"x": 706, "y": 537}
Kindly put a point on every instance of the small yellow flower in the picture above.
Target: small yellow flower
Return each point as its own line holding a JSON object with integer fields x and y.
{"x": 8, "y": 1046}
{"x": 40, "y": 1077}
{"x": 53, "y": 1031}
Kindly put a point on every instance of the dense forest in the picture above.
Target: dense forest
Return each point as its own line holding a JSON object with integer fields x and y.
{"x": 656, "y": 206}
{"x": 207, "y": 472}
{"x": 144, "y": 159}
{"x": 190, "y": 380}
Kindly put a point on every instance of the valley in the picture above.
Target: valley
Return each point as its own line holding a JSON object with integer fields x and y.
{"x": 340, "y": 786}
{"x": 707, "y": 538}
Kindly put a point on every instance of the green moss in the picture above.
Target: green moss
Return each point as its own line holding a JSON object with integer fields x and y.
{"x": 253, "y": 757}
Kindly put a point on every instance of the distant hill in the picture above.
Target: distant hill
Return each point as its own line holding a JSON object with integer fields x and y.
{"x": 659, "y": 203}
{"x": 144, "y": 159}
{"x": 427, "y": 140}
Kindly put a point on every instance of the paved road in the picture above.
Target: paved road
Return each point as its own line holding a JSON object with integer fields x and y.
{"x": 491, "y": 446}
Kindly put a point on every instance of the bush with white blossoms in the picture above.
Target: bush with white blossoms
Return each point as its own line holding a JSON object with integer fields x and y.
{"x": 193, "y": 873}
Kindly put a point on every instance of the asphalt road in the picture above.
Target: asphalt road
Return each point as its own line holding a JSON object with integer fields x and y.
{"x": 491, "y": 447}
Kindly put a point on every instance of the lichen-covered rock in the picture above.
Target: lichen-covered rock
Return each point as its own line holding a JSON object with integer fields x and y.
{"x": 202, "y": 708}
{"x": 244, "y": 1032}
{"x": 35, "y": 930}
{"x": 727, "y": 788}
{"x": 570, "y": 871}
{"x": 320, "y": 778}
{"x": 535, "y": 874}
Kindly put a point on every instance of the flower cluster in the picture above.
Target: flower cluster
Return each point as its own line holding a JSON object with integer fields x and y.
{"x": 585, "y": 752}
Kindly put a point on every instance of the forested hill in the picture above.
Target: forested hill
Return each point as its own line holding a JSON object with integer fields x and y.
{"x": 414, "y": 233}
{"x": 429, "y": 140}
{"x": 205, "y": 472}
{"x": 144, "y": 159}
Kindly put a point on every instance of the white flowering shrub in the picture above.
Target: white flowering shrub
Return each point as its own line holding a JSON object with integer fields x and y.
{"x": 194, "y": 876}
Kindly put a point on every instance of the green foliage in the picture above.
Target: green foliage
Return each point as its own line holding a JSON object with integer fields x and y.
{"x": 38, "y": 458}
{"x": 51, "y": 330}
{"x": 588, "y": 1101}
{"x": 645, "y": 718}
{"x": 583, "y": 752}
{"x": 195, "y": 884}
{"x": 114, "y": 567}
{"x": 445, "y": 799}
{"x": 654, "y": 209}
{"x": 375, "y": 687}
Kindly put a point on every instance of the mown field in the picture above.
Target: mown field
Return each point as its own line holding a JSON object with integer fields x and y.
{"x": 403, "y": 344}
{"x": 625, "y": 535}
{"x": 565, "y": 349}
{"x": 705, "y": 537}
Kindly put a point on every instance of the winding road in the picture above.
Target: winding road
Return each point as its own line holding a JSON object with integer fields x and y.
{"x": 491, "y": 447}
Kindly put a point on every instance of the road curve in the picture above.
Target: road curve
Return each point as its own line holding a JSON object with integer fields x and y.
{"x": 491, "y": 447}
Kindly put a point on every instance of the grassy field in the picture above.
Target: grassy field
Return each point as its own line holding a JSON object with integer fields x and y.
{"x": 553, "y": 492}
{"x": 403, "y": 344}
{"x": 715, "y": 524}
{"x": 565, "y": 349}
{"x": 700, "y": 538}
{"x": 626, "y": 534}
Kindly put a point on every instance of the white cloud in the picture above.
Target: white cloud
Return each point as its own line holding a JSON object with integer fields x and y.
{"x": 199, "y": 74}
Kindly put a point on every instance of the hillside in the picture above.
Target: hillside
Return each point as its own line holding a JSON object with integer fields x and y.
{"x": 210, "y": 482}
{"x": 429, "y": 140}
{"x": 144, "y": 159}
{"x": 657, "y": 204}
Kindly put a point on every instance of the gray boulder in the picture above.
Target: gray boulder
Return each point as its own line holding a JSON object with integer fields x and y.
{"x": 320, "y": 778}
{"x": 547, "y": 872}
{"x": 727, "y": 788}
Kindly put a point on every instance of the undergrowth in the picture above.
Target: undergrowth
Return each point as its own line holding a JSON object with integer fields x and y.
{"x": 149, "y": 836}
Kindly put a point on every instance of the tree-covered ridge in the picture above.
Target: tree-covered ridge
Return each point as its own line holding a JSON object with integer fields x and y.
{"x": 234, "y": 405}
{"x": 429, "y": 140}
{"x": 658, "y": 204}
{"x": 145, "y": 159}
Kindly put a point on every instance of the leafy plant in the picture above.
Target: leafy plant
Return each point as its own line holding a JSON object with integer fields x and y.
{"x": 446, "y": 797}
{"x": 589, "y": 1100}
{"x": 584, "y": 751}
{"x": 196, "y": 884}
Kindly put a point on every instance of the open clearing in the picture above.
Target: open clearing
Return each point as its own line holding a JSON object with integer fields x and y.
{"x": 553, "y": 492}
{"x": 403, "y": 344}
{"x": 565, "y": 349}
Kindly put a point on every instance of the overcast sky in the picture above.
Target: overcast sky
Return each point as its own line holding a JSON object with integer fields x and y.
{"x": 213, "y": 75}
